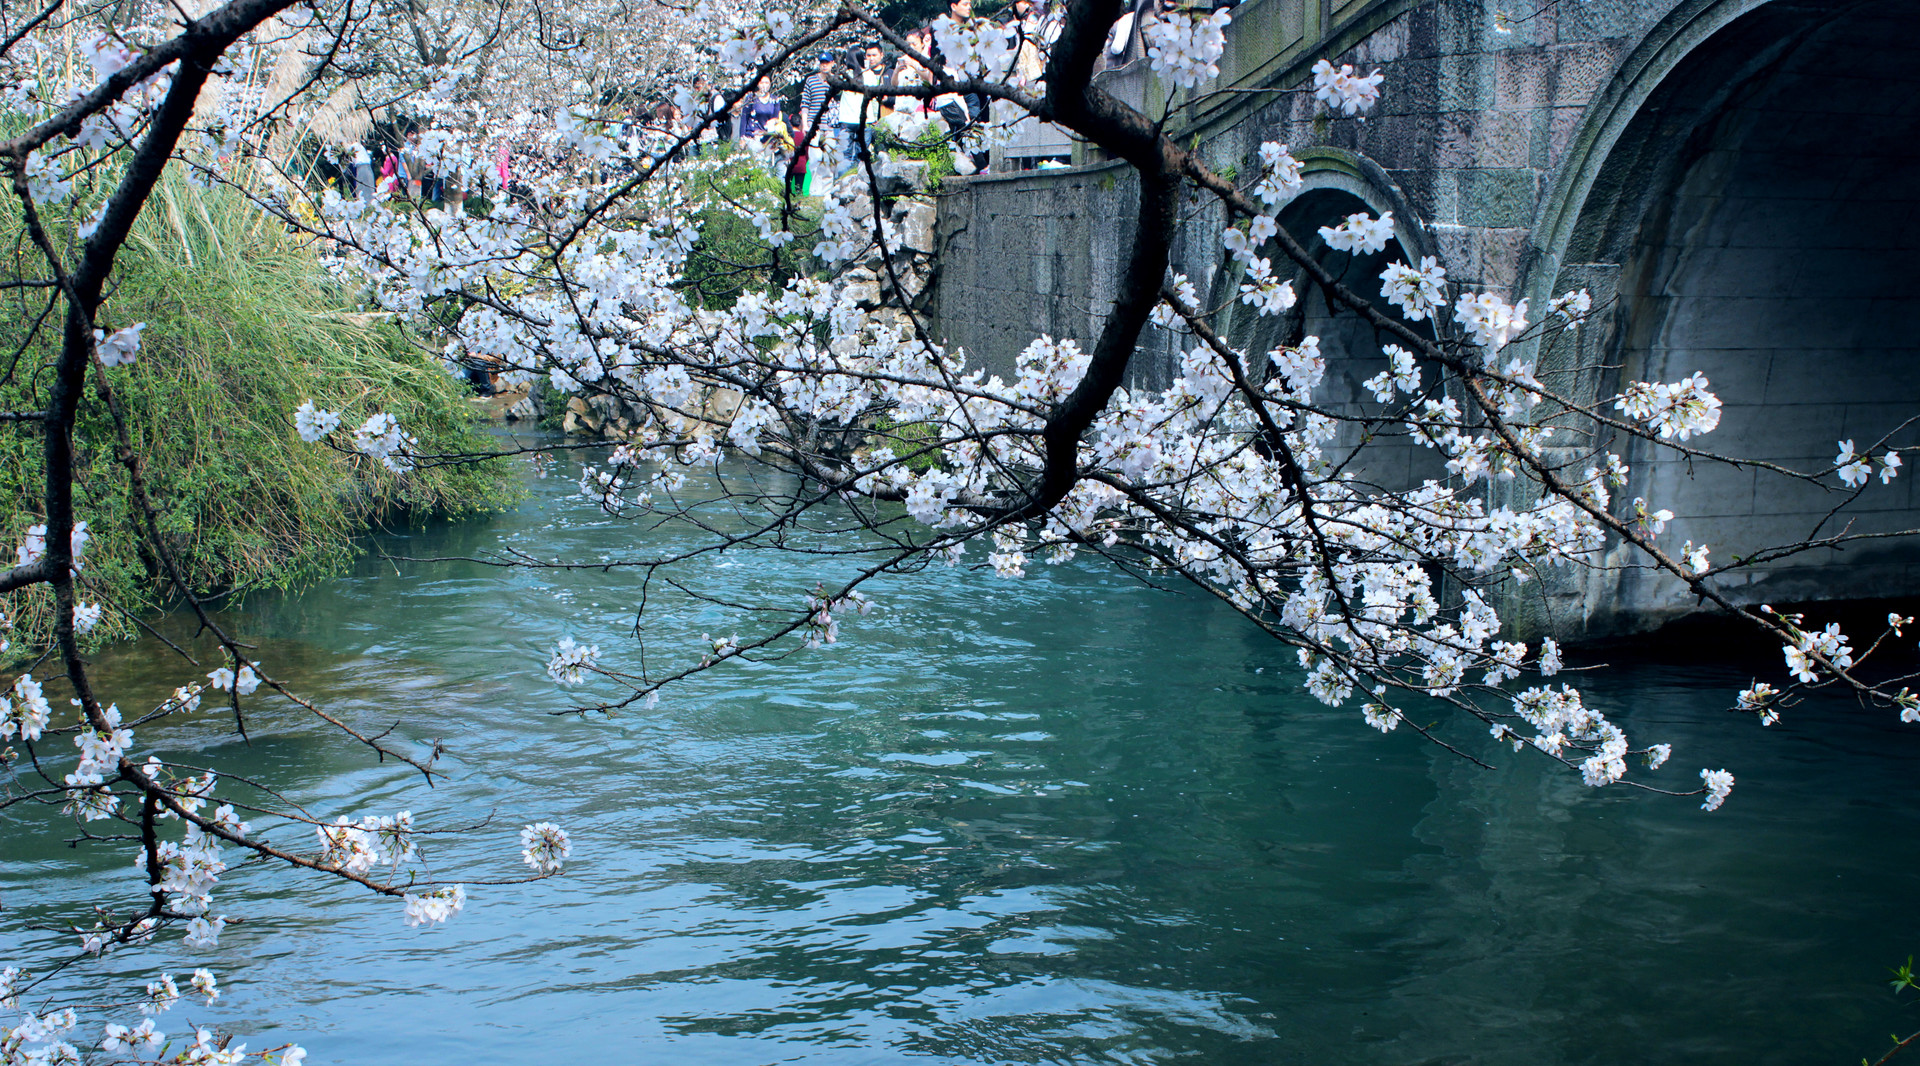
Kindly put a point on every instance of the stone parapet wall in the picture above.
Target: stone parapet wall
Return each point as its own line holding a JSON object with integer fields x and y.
{"x": 1471, "y": 127}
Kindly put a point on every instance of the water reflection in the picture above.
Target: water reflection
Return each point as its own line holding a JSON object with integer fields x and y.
{"x": 1060, "y": 820}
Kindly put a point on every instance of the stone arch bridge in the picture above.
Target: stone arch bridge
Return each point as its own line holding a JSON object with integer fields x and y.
{"x": 1736, "y": 181}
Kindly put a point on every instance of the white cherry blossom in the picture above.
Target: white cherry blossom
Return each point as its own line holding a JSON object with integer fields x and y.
{"x": 1489, "y": 320}
{"x": 571, "y": 662}
{"x": 121, "y": 348}
{"x": 1418, "y": 293}
{"x": 1187, "y": 46}
{"x": 1679, "y": 410}
{"x": 1360, "y": 233}
{"x": 545, "y": 847}
{"x": 1340, "y": 89}
{"x": 313, "y": 423}
{"x": 435, "y": 907}
{"x": 1718, "y": 784}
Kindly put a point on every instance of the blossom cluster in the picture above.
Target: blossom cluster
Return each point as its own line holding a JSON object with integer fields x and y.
{"x": 432, "y": 908}
{"x": 976, "y": 47}
{"x": 381, "y": 437}
{"x": 1489, "y": 320}
{"x": 544, "y": 847}
{"x": 24, "y": 711}
{"x": 1360, "y": 233}
{"x": 1678, "y": 410}
{"x": 100, "y": 754}
{"x": 1417, "y": 293}
{"x": 1804, "y": 655}
{"x": 121, "y": 347}
{"x": 1340, "y": 89}
{"x": 1265, "y": 292}
{"x": 1187, "y": 46}
{"x": 373, "y": 842}
{"x": 1280, "y": 176}
{"x": 571, "y": 662}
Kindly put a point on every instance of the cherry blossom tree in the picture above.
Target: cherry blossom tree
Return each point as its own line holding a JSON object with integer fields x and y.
{"x": 82, "y": 156}
{"x": 1238, "y": 477}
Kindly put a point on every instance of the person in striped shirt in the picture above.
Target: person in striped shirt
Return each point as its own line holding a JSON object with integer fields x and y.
{"x": 813, "y": 99}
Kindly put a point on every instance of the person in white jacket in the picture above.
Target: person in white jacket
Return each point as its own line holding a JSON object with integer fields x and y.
{"x": 853, "y": 105}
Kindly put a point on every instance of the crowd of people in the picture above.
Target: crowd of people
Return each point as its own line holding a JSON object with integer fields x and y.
{"x": 812, "y": 134}
{"x": 423, "y": 167}
{"x": 808, "y": 133}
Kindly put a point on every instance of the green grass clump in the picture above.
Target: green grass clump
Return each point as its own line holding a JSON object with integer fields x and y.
{"x": 916, "y": 441}
{"x": 934, "y": 147}
{"x": 243, "y": 323}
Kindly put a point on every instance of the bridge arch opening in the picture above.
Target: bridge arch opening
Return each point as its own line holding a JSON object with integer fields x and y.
{"x": 1756, "y": 222}
{"x": 1351, "y": 347}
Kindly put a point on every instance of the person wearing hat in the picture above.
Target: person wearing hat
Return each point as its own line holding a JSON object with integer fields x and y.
{"x": 813, "y": 99}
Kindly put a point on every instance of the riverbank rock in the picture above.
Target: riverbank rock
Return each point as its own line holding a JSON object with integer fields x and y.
{"x": 515, "y": 404}
{"x": 916, "y": 230}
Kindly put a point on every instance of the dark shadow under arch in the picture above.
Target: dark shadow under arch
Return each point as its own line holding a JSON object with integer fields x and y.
{"x": 1756, "y": 222}
{"x": 1351, "y": 347}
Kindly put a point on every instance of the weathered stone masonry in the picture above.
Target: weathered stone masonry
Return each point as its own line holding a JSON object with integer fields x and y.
{"x": 1734, "y": 179}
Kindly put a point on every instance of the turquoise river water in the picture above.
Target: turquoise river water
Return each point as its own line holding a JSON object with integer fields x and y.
{"x": 1068, "y": 819}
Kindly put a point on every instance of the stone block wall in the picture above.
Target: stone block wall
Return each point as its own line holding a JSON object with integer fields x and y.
{"x": 1471, "y": 124}
{"x": 1751, "y": 229}
{"x": 1029, "y": 254}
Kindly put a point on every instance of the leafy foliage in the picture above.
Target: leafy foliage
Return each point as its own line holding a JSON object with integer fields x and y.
{"x": 243, "y": 324}
{"x": 731, "y": 257}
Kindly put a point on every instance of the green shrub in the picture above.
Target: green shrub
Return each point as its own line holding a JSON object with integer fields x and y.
{"x": 243, "y": 323}
{"x": 915, "y": 442}
{"x": 731, "y": 257}
{"x": 934, "y": 147}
